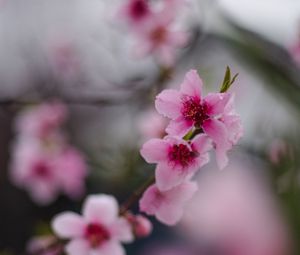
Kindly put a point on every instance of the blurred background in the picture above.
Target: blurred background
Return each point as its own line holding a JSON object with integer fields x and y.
{"x": 81, "y": 54}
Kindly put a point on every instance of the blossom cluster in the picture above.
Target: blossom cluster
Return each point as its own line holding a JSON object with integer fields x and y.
{"x": 43, "y": 162}
{"x": 197, "y": 125}
{"x": 154, "y": 27}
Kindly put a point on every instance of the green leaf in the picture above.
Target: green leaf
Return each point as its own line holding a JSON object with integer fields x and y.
{"x": 227, "y": 81}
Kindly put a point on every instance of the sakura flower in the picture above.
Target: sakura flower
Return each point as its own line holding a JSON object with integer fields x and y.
{"x": 40, "y": 245}
{"x": 158, "y": 36}
{"x": 41, "y": 120}
{"x": 167, "y": 206}
{"x": 98, "y": 231}
{"x": 141, "y": 226}
{"x": 187, "y": 110}
{"x": 177, "y": 160}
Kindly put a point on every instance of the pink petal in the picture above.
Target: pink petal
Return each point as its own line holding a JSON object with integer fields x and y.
{"x": 155, "y": 150}
{"x": 110, "y": 248}
{"x": 168, "y": 103}
{"x": 179, "y": 127}
{"x": 150, "y": 201}
{"x": 68, "y": 225}
{"x": 218, "y": 132}
{"x": 121, "y": 231}
{"x": 192, "y": 84}
{"x": 216, "y": 102}
{"x": 166, "y": 55}
{"x": 101, "y": 208}
{"x": 182, "y": 193}
{"x": 78, "y": 247}
{"x": 169, "y": 215}
{"x": 178, "y": 38}
{"x": 167, "y": 176}
{"x": 201, "y": 143}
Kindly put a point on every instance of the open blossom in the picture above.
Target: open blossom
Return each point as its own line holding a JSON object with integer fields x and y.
{"x": 42, "y": 120}
{"x": 158, "y": 36}
{"x": 99, "y": 230}
{"x": 177, "y": 160}
{"x": 214, "y": 114}
{"x": 167, "y": 206}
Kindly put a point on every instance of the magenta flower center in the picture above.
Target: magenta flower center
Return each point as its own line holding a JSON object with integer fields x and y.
{"x": 181, "y": 154}
{"x": 139, "y": 9}
{"x": 158, "y": 35}
{"x": 96, "y": 234}
{"x": 194, "y": 111}
{"x": 42, "y": 170}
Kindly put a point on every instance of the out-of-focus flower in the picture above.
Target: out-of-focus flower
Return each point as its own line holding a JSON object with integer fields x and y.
{"x": 167, "y": 206}
{"x": 213, "y": 114}
{"x": 177, "y": 160}
{"x": 234, "y": 212}
{"x": 278, "y": 149}
{"x": 141, "y": 226}
{"x": 295, "y": 52}
{"x": 40, "y": 245}
{"x": 169, "y": 250}
{"x": 98, "y": 231}
{"x": 152, "y": 125}
{"x": 41, "y": 120}
{"x": 42, "y": 162}
{"x": 158, "y": 36}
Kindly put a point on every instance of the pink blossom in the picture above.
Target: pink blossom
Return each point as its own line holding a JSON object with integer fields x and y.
{"x": 141, "y": 226}
{"x": 40, "y": 245}
{"x": 159, "y": 37}
{"x": 295, "y": 52}
{"x": 99, "y": 230}
{"x": 167, "y": 206}
{"x": 177, "y": 160}
{"x": 213, "y": 114}
{"x": 41, "y": 120}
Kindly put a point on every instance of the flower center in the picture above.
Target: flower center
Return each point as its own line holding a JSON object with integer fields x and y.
{"x": 193, "y": 110}
{"x": 139, "y": 9}
{"x": 182, "y": 155}
{"x": 96, "y": 234}
{"x": 158, "y": 35}
{"x": 41, "y": 169}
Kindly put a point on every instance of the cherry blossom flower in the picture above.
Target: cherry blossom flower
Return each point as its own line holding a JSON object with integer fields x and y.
{"x": 141, "y": 226}
{"x": 99, "y": 230}
{"x": 177, "y": 160}
{"x": 167, "y": 206}
{"x": 158, "y": 36}
{"x": 213, "y": 114}
{"x": 40, "y": 245}
{"x": 41, "y": 120}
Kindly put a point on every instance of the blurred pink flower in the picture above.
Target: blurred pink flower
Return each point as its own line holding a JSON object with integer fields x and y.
{"x": 167, "y": 206}
{"x": 42, "y": 161}
{"x": 294, "y": 51}
{"x": 141, "y": 226}
{"x": 277, "y": 150}
{"x": 41, "y": 120}
{"x": 177, "y": 160}
{"x": 158, "y": 36}
{"x": 152, "y": 125}
{"x": 214, "y": 114}
{"x": 234, "y": 211}
{"x": 99, "y": 231}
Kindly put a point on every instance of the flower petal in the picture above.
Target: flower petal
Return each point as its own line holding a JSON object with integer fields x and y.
{"x": 216, "y": 102}
{"x": 201, "y": 143}
{"x": 150, "y": 201}
{"x": 68, "y": 225}
{"x": 169, "y": 215}
{"x": 192, "y": 84}
{"x": 168, "y": 103}
{"x": 101, "y": 208}
{"x": 179, "y": 127}
{"x": 110, "y": 248}
{"x": 77, "y": 247}
{"x": 218, "y": 132}
{"x": 122, "y": 231}
{"x": 155, "y": 150}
